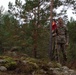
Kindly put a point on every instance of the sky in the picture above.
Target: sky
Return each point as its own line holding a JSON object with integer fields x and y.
{"x": 4, "y": 3}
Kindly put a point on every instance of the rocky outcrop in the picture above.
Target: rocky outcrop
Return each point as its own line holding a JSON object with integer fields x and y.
{"x": 31, "y": 66}
{"x": 63, "y": 71}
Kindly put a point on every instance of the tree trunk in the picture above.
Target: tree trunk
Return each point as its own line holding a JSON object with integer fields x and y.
{"x": 51, "y": 17}
{"x": 36, "y": 24}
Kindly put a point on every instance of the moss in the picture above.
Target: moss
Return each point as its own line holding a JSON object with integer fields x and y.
{"x": 26, "y": 67}
{"x": 8, "y": 59}
{"x": 3, "y": 57}
{"x": 31, "y": 60}
{"x": 39, "y": 63}
{"x": 40, "y": 72}
{"x": 11, "y": 65}
{"x": 54, "y": 64}
{"x": 29, "y": 65}
{"x": 34, "y": 65}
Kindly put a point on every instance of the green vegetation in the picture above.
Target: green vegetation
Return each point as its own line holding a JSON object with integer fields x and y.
{"x": 26, "y": 26}
{"x": 27, "y": 66}
{"x": 72, "y": 40}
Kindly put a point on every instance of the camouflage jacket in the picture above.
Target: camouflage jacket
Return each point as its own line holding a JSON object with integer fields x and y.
{"x": 62, "y": 34}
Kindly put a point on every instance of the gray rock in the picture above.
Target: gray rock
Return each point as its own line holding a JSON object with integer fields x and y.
{"x": 24, "y": 61}
{"x": 51, "y": 69}
{"x": 71, "y": 72}
{"x": 56, "y": 72}
{"x": 62, "y": 70}
{"x": 58, "y": 69}
{"x": 14, "y": 53}
{"x": 66, "y": 72}
{"x": 65, "y": 68}
{"x": 3, "y": 68}
{"x": 59, "y": 65}
{"x": 2, "y": 61}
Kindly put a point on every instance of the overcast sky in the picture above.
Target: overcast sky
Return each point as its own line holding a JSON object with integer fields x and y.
{"x": 4, "y": 3}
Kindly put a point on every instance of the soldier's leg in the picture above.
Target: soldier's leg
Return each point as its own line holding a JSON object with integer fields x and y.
{"x": 53, "y": 48}
{"x": 57, "y": 52}
{"x": 63, "y": 51}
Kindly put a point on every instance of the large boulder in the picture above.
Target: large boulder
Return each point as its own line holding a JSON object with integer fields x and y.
{"x": 3, "y": 68}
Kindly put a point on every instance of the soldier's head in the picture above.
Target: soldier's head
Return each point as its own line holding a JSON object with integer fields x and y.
{"x": 53, "y": 21}
{"x": 60, "y": 21}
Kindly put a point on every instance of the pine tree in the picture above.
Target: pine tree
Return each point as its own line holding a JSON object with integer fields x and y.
{"x": 34, "y": 18}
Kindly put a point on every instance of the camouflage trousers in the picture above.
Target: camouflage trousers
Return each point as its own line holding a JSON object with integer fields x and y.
{"x": 57, "y": 49}
{"x": 54, "y": 47}
{"x": 61, "y": 50}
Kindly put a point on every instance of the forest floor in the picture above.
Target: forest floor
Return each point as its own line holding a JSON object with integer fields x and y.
{"x": 25, "y": 65}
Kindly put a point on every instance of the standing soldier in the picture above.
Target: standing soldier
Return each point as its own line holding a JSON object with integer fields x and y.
{"x": 54, "y": 34}
{"x": 62, "y": 38}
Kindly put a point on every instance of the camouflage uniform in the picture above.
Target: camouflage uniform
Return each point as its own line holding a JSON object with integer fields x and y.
{"x": 61, "y": 40}
{"x": 54, "y": 35}
{"x": 54, "y": 28}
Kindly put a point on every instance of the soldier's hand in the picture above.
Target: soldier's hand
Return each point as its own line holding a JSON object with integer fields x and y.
{"x": 54, "y": 34}
{"x": 67, "y": 44}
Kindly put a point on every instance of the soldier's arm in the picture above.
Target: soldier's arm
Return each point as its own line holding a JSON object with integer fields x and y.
{"x": 66, "y": 35}
{"x": 54, "y": 32}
